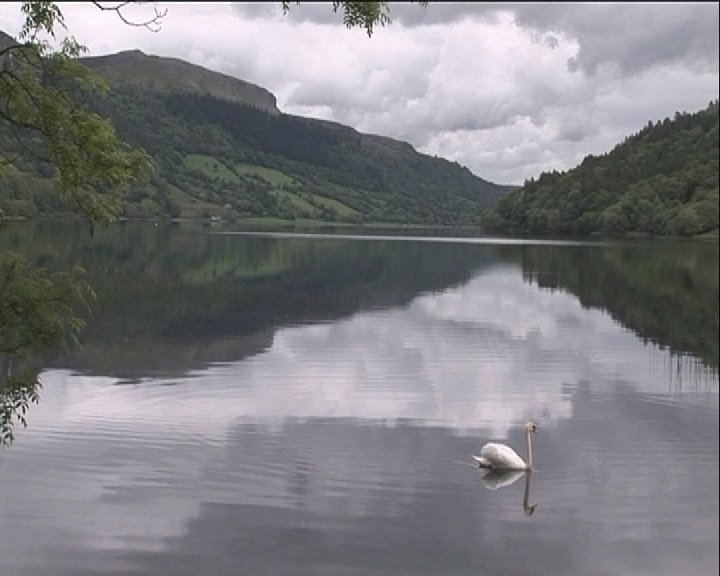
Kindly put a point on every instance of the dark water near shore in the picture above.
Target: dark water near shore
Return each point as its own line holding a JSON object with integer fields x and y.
{"x": 279, "y": 404}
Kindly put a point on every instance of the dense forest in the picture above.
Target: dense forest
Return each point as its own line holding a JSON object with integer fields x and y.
{"x": 218, "y": 153}
{"x": 663, "y": 180}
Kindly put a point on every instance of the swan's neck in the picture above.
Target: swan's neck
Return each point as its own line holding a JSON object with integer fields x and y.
{"x": 528, "y": 452}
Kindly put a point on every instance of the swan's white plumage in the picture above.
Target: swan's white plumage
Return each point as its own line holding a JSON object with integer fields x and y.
{"x": 502, "y": 457}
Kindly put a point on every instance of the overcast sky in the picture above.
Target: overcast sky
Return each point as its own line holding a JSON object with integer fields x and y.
{"x": 509, "y": 90}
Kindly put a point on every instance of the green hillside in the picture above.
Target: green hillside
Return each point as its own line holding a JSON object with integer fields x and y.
{"x": 170, "y": 75}
{"x": 221, "y": 148}
{"x": 663, "y": 180}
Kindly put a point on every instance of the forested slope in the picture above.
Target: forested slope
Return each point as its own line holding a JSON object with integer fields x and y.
{"x": 663, "y": 180}
{"x": 220, "y": 147}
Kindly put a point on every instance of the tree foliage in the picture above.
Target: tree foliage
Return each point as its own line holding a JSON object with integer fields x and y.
{"x": 661, "y": 181}
{"x": 38, "y": 311}
{"x": 42, "y": 101}
{"x": 44, "y": 119}
{"x": 16, "y": 396}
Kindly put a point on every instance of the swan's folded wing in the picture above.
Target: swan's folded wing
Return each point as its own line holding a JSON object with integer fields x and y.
{"x": 501, "y": 456}
{"x": 493, "y": 452}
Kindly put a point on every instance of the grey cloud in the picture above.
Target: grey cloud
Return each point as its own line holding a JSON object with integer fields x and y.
{"x": 635, "y": 37}
{"x": 576, "y": 125}
{"x": 318, "y": 12}
{"x": 576, "y": 132}
{"x": 440, "y": 12}
{"x": 403, "y": 13}
{"x": 253, "y": 10}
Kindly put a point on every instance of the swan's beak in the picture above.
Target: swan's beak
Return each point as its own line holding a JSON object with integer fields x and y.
{"x": 534, "y": 430}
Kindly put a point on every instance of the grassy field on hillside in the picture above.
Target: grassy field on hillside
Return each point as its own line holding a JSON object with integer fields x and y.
{"x": 284, "y": 187}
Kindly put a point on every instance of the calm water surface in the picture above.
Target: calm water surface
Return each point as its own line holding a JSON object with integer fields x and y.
{"x": 279, "y": 404}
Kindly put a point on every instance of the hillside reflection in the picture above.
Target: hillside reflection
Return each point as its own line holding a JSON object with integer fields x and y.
{"x": 664, "y": 291}
{"x": 173, "y": 299}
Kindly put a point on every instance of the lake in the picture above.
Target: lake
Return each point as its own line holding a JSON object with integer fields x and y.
{"x": 298, "y": 404}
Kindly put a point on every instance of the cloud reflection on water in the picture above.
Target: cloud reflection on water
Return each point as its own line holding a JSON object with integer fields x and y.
{"x": 486, "y": 355}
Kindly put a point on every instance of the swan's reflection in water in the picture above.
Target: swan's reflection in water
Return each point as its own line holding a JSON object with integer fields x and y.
{"x": 495, "y": 479}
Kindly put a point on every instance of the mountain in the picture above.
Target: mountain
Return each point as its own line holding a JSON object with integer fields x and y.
{"x": 222, "y": 148}
{"x": 661, "y": 181}
{"x": 154, "y": 74}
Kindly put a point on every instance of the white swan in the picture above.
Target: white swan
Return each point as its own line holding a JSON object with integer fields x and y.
{"x": 502, "y": 457}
